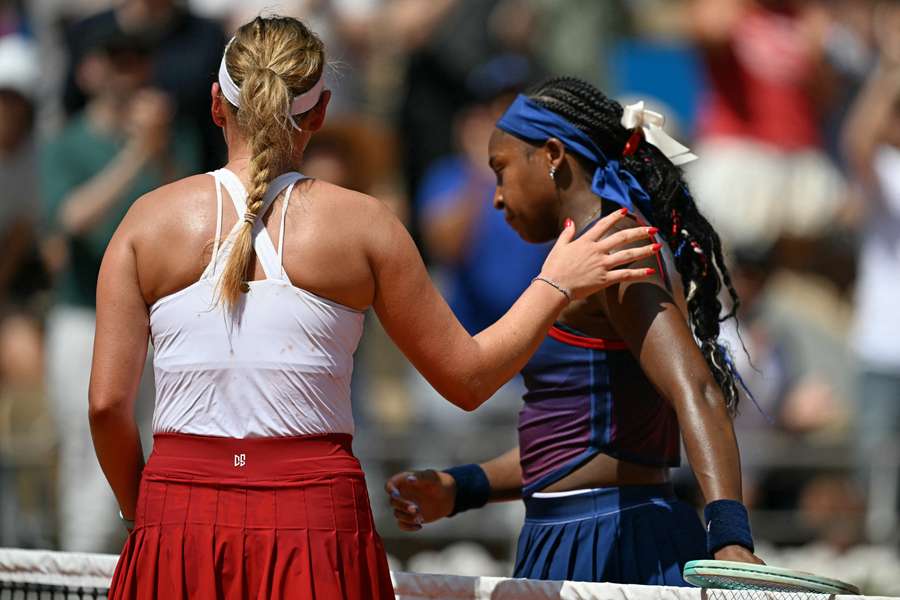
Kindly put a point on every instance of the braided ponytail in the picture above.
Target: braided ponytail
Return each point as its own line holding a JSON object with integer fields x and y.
{"x": 272, "y": 60}
{"x": 694, "y": 243}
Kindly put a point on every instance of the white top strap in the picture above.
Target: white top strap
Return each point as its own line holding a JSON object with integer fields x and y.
{"x": 284, "y": 206}
{"x": 218, "y": 219}
{"x": 211, "y": 267}
{"x": 262, "y": 243}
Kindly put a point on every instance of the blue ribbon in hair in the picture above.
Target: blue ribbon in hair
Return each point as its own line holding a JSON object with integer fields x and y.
{"x": 528, "y": 120}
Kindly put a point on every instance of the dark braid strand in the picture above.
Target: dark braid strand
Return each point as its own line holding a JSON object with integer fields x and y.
{"x": 695, "y": 244}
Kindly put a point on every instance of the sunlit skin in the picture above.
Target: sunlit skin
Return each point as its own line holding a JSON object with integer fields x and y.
{"x": 649, "y": 316}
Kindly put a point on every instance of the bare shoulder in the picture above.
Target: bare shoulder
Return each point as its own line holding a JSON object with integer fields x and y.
{"x": 170, "y": 231}
{"x": 629, "y": 222}
{"x": 354, "y": 213}
{"x": 346, "y": 199}
{"x": 170, "y": 208}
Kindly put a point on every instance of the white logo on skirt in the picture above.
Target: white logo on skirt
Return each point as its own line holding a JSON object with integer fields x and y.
{"x": 240, "y": 460}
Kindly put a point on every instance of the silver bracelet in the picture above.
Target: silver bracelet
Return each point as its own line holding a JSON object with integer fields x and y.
{"x": 552, "y": 283}
{"x": 129, "y": 523}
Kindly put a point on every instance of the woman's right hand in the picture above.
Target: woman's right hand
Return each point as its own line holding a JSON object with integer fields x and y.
{"x": 586, "y": 265}
{"x": 420, "y": 497}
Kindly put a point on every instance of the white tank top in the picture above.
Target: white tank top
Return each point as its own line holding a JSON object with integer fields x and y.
{"x": 279, "y": 366}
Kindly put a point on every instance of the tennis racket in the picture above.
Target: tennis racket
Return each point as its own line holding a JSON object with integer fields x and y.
{"x": 728, "y": 575}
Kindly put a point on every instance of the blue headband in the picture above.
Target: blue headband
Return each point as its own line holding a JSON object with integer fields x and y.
{"x": 528, "y": 120}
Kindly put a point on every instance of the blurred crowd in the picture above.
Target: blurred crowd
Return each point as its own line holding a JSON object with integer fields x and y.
{"x": 792, "y": 105}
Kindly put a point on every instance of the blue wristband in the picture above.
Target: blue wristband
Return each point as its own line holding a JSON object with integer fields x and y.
{"x": 473, "y": 490}
{"x": 727, "y": 523}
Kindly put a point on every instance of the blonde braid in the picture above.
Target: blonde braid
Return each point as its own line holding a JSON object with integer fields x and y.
{"x": 272, "y": 60}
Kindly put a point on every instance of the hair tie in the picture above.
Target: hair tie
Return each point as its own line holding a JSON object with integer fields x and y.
{"x": 635, "y": 116}
{"x": 249, "y": 218}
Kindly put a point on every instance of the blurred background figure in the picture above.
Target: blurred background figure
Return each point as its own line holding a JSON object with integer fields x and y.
{"x": 23, "y": 422}
{"x": 185, "y": 54}
{"x": 482, "y": 265}
{"x": 872, "y": 145}
{"x": 124, "y": 143}
{"x": 763, "y": 173}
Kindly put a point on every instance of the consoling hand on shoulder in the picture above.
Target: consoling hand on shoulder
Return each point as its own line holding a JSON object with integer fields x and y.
{"x": 587, "y": 264}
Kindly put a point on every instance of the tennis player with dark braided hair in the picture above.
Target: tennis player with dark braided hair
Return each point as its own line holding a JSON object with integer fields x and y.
{"x": 621, "y": 374}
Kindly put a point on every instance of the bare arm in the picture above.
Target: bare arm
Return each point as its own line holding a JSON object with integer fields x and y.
{"x": 89, "y": 203}
{"x": 655, "y": 330}
{"x": 468, "y": 370}
{"x": 710, "y": 22}
{"x": 448, "y": 233}
{"x": 120, "y": 349}
{"x": 869, "y": 115}
{"x": 646, "y": 317}
{"x": 505, "y": 475}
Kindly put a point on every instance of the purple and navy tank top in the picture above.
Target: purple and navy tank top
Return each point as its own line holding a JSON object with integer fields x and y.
{"x": 587, "y": 396}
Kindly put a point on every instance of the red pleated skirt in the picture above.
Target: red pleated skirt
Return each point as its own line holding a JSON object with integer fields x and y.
{"x": 252, "y": 518}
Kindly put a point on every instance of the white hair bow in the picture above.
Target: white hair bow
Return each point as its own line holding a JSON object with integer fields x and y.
{"x": 635, "y": 115}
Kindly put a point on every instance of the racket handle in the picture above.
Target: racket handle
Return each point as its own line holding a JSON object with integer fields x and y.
{"x": 727, "y": 524}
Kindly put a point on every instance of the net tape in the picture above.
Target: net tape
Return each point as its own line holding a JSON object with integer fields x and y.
{"x": 44, "y": 574}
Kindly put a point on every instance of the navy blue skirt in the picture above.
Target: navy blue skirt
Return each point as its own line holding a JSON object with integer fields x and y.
{"x": 629, "y": 534}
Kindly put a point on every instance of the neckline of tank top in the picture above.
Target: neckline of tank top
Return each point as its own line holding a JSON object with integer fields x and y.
{"x": 268, "y": 280}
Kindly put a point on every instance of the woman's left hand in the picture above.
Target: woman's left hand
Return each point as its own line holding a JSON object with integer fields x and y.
{"x": 737, "y": 554}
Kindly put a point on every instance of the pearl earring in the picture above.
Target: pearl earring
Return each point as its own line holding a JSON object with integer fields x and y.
{"x": 553, "y": 173}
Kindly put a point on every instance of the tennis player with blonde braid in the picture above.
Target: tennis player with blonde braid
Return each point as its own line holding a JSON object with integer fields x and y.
{"x": 251, "y": 283}
{"x": 622, "y": 376}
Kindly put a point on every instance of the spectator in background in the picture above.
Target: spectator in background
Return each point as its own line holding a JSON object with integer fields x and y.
{"x": 20, "y": 273}
{"x": 480, "y": 263}
{"x": 763, "y": 173}
{"x": 122, "y": 145}
{"x": 872, "y": 146}
{"x": 21, "y": 280}
{"x": 445, "y": 44}
{"x": 186, "y": 53}
{"x": 484, "y": 262}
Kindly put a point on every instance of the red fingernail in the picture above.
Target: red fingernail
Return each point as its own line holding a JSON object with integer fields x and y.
{"x": 568, "y": 223}
{"x": 650, "y": 271}
{"x": 656, "y": 247}
{"x": 653, "y": 231}
{"x": 624, "y": 211}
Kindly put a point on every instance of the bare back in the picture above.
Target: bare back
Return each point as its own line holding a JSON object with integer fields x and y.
{"x": 327, "y": 245}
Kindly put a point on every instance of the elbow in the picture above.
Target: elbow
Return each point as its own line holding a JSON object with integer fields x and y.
{"x": 467, "y": 401}
{"x": 468, "y": 397}
{"x": 699, "y": 398}
{"x": 107, "y": 409}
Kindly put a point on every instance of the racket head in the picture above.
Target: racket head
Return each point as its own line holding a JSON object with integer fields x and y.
{"x": 729, "y": 575}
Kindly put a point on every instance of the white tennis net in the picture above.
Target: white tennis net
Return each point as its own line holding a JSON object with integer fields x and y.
{"x": 37, "y": 574}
